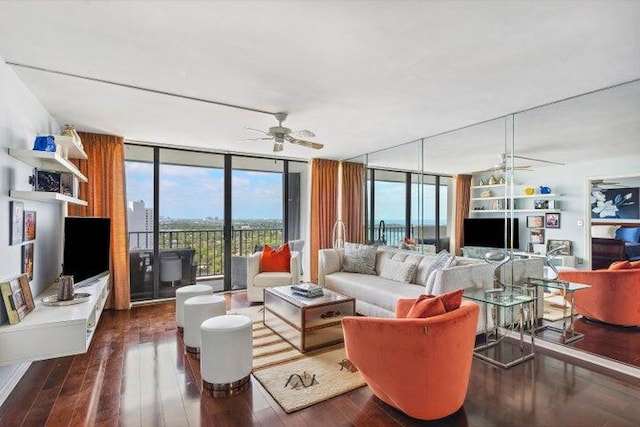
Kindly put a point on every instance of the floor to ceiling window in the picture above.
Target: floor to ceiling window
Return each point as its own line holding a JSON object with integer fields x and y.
{"x": 182, "y": 204}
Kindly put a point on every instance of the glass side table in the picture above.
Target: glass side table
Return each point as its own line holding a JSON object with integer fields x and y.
{"x": 568, "y": 333}
{"x": 497, "y": 300}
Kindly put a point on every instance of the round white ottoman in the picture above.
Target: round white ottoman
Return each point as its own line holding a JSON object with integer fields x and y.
{"x": 196, "y": 310}
{"x": 226, "y": 354}
{"x": 183, "y": 294}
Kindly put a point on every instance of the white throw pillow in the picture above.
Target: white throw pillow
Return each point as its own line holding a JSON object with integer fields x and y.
{"x": 604, "y": 231}
{"x": 359, "y": 258}
{"x": 443, "y": 260}
{"x": 399, "y": 271}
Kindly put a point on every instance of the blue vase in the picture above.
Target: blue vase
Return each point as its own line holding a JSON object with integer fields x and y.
{"x": 545, "y": 190}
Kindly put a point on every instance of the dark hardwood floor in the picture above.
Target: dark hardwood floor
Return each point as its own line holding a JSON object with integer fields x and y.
{"x": 135, "y": 374}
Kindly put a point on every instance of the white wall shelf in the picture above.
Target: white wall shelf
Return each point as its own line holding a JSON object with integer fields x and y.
{"x": 523, "y": 196}
{"x": 514, "y": 210}
{"x": 69, "y": 146}
{"x": 45, "y": 196}
{"x": 49, "y": 332}
{"x": 46, "y": 160}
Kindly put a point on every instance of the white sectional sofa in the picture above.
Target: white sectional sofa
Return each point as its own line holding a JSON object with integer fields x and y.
{"x": 376, "y": 296}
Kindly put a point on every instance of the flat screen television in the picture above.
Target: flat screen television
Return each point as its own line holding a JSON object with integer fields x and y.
{"x": 87, "y": 244}
{"x": 489, "y": 232}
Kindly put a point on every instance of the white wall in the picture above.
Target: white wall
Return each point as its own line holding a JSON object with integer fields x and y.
{"x": 571, "y": 182}
{"x": 21, "y": 118}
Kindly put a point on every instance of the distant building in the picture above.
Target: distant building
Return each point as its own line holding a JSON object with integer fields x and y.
{"x": 140, "y": 222}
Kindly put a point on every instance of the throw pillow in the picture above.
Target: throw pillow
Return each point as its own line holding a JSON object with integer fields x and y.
{"x": 604, "y": 231}
{"x": 359, "y": 258}
{"x": 628, "y": 234}
{"x": 273, "y": 260}
{"x": 398, "y": 271}
{"x": 426, "y": 306}
{"x": 620, "y": 265}
{"x": 443, "y": 260}
{"x": 450, "y": 300}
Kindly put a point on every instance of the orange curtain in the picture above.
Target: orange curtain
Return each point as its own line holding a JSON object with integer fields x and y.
{"x": 353, "y": 187}
{"x": 324, "y": 199}
{"x": 105, "y": 194}
{"x": 463, "y": 194}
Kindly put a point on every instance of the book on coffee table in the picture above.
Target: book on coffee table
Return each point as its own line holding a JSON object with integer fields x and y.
{"x": 307, "y": 290}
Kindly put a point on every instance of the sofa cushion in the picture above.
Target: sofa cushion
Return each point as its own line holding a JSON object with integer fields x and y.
{"x": 426, "y": 306}
{"x": 359, "y": 258}
{"x": 399, "y": 271}
{"x": 269, "y": 280}
{"x": 604, "y": 231}
{"x": 443, "y": 260}
{"x": 375, "y": 290}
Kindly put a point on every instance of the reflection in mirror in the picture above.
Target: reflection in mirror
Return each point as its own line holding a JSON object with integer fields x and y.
{"x": 580, "y": 159}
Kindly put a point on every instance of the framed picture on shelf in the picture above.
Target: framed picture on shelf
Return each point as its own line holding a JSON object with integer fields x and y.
{"x": 541, "y": 204}
{"x": 552, "y": 244}
{"x": 535, "y": 221}
{"x": 536, "y": 235}
{"x": 552, "y": 220}
{"x": 26, "y": 293}
{"x": 14, "y": 300}
{"x": 16, "y": 219}
{"x": 27, "y": 260}
{"x": 29, "y": 225}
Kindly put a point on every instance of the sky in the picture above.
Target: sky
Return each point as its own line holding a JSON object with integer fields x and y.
{"x": 191, "y": 192}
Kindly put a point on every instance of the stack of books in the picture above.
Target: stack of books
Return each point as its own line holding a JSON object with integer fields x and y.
{"x": 307, "y": 290}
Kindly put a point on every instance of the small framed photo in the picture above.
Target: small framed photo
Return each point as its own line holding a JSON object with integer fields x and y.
{"x": 16, "y": 210}
{"x": 29, "y": 225}
{"x": 27, "y": 260}
{"x": 541, "y": 204}
{"x": 552, "y": 220}
{"x": 552, "y": 244}
{"x": 536, "y": 235}
{"x": 535, "y": 221}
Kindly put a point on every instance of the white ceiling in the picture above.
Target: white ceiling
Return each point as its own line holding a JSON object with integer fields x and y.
{"x": 361, "y": 75}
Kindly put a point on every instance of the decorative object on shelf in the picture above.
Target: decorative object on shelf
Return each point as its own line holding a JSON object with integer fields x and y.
{"x": 16, "y": 210}
{"x": 26, "y": 292}
{"x": 529, "y": 191}
{"x": 29, "y": 226}
{"x": 535, "y": 221}
{"x": 552, "y": 220}
{"x": 18, "y": 300}
{"x": 540, "y": 204}
{"x": 502, "y": 180}
{"x": 337, "y": 236}
{"x": 486, "y": 193}
{"x": 492, "y": 180}
{"x": 27, "y": 260}
{"x": 553, "y": 244}
{"x": 65, "y": 291}
{"x": 480, "y": 182}
{"x": 536, "y": 235}
{"x": 615, "y": 203}
{"x": 70, "y": 131}
{"x": 77, "y": 299}
{"x": 56, "y": 182}
{"x": 545, "y": 190}
{"x": 44, "y": 143}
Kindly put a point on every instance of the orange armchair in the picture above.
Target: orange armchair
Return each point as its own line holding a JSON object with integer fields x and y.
{"x": 419, "y": 366}
{"x": 614, "y": 295}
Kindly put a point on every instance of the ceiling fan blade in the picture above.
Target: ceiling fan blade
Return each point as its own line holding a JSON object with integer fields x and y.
{"x": 257, "y": 130}
{"x": 253, "y": 139}
{"x": 551, "y": 162}
{"x": 302, "y": 142}
{"x": 302, "y": 134}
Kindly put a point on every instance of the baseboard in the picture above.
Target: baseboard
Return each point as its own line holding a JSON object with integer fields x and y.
{"x": 7, "y": 387}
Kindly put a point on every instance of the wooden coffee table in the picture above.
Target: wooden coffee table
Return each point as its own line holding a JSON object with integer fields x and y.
{"x": 307, "y": 323}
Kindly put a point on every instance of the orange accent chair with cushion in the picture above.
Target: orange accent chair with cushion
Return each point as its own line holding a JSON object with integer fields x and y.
{"x": 614, "y": 295}
{"x": 420, "y": 366}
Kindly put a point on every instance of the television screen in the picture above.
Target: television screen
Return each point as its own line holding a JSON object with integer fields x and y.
{"x": 489, "y": 232}
{"x": 86, "y": 247}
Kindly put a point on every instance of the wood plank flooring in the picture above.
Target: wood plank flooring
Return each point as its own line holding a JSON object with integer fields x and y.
{"x": 135, "y": 374}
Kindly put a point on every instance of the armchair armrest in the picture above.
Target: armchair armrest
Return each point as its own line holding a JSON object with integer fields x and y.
{"x": 403, "y": 306}
{"x": 253, "y": 267}
{"x": 329, "y": 261}
{"x": 294, "y": 266}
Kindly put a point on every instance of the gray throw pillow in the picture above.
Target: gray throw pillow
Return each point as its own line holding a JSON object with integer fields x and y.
{"x": 398, "y": 271}
{"x": 443, "y": 260}
{"x": 359, "y": 258}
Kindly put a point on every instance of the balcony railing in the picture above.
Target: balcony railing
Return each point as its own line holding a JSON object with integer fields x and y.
{"x": 208, "y": 244}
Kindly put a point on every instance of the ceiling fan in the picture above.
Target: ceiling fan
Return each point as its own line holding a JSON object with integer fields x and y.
{"x": 602, "y": 184}
{"x": 280, "y": 134}
{"x": 504, "y": 163}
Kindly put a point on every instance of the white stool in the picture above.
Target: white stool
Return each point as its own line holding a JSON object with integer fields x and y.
{"x": 196, "y": 310}
{"x": 183, "y": 294}
{"x": 226, "y": 354}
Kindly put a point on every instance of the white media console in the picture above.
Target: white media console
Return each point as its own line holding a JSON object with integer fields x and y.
{"x": 54, "y": 331}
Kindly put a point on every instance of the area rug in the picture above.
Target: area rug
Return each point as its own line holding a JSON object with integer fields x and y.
{"x": 296, "y": 380}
